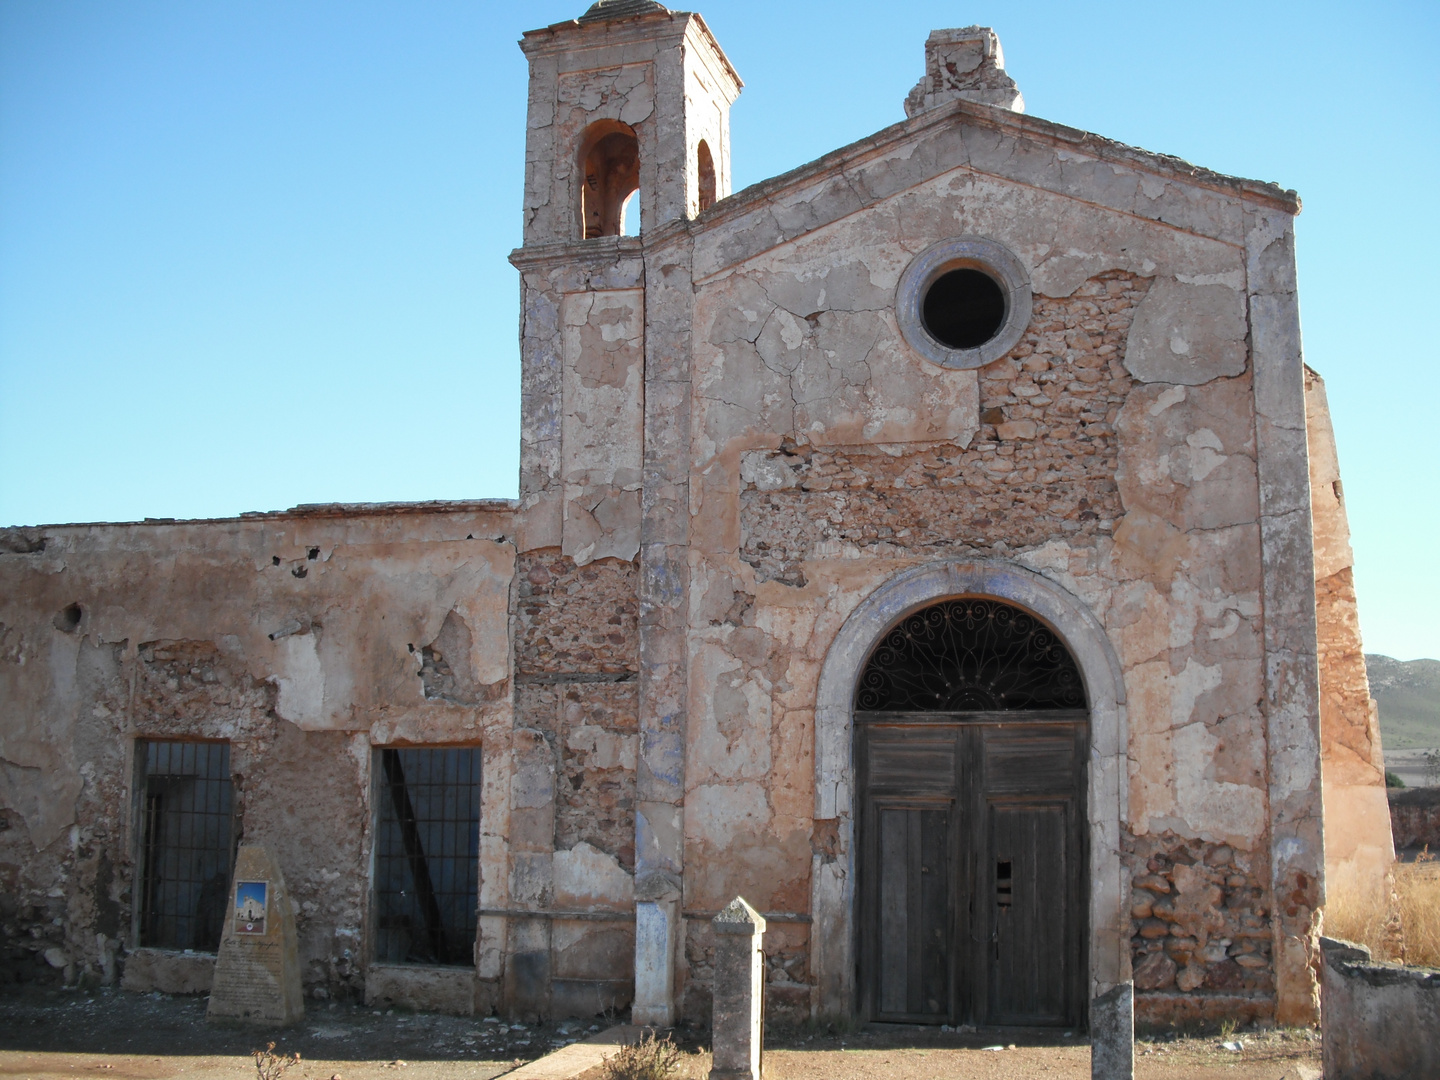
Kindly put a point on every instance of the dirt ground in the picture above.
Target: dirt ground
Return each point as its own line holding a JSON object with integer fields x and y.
{"x": 48, "y": 1035}
{"x": 110, "y": 1033}
{"x": 885, "y": 1052}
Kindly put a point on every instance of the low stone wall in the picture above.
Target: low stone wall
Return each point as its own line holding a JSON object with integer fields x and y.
{"x": 1415, "y": 818}
{"x": 1378, "y": 1020}
{"x": 168, "y": 972}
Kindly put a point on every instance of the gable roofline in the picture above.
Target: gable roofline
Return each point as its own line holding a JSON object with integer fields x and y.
{"x": 1018, "y": 125}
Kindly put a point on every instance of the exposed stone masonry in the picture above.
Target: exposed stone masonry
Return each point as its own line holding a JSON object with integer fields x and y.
{"x": 577, "y": 651}
{"x": 575, "y": 619}
{"x": 1043, "y": 459}
{"x": 179, "y": 680}
{"x": 1200, "y": 926}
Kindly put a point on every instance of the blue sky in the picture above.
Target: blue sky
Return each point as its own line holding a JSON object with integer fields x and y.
{"x": 253, "y": 254}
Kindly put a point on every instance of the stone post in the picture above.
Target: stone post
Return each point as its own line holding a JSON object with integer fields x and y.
{"x": 1112, "y": 1034}
{"x": 738, "y": 1024}
{"x": 656, "y": 923}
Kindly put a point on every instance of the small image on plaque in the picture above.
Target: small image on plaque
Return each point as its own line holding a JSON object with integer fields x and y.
{"x": 250, "y": 906}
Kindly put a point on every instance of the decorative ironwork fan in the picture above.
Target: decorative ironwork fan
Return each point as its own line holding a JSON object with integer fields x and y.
{"x": 969, "y": 655}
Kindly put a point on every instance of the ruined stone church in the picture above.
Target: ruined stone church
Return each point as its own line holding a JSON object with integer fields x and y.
{"x": 940, "y": 545}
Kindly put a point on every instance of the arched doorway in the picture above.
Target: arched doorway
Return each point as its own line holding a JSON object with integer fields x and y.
{"x": 970, "y": 740}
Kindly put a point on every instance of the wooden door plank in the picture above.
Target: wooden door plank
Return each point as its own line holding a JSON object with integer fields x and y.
{"x": 934, "y": 888}
{"x": 1030, "y": 974}
{"x": 893, "y": 936}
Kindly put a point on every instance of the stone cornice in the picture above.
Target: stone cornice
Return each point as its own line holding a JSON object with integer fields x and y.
{"x": 600, "y": 251}
{"x": 573, "y": 35}
{"x": 307, "y": 511}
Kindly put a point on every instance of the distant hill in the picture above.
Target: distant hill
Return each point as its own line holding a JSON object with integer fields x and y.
{"x": 1408, "y": 694}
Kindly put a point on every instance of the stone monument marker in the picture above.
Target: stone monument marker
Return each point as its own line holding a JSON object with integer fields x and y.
{"x": 738, "y": 1020}
{"x": 257, "y": 971}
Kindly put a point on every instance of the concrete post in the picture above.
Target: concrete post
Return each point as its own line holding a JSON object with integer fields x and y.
{"x": 1112, "y": 1034}
{"x": 738, "y": 1024}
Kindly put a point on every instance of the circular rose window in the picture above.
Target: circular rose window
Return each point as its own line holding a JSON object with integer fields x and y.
{"x": 964, "y": 303}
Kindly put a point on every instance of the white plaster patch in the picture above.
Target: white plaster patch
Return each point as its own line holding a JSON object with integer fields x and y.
{"x": 1204, "y": 460}
{"x": 791, "y": 332}
{"x": 1216, "y": 809}
{"x": 606, "y": 749}
{"x": 301, "y": 680}
{"x": 1235, "y": 279}
{"x": 732, "y": 737}
{"x": 586, "y": 877}
{"x": 766, "y": 472}
{"x": 720, "y": 814}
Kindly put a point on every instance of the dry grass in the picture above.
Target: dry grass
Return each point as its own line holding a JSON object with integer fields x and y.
{"x": 1418, "y": 886}
{"x": 649, "y": 1059}
{"x": 1410, "y": 931}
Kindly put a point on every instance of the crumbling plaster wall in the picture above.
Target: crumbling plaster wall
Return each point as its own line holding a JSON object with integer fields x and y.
{"x": 1114, "y": 451}
{"x": 582, "y": 337}
{"x": 305, "y": 639}
{"x": 1359, "y": 845}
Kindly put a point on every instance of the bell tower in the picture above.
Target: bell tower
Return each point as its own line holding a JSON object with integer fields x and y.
{"x": 630, "y": 97}
{"x": 627, "y": 137}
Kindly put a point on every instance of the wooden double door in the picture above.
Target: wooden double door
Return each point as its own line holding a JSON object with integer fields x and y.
{"x": 972, "y": 867}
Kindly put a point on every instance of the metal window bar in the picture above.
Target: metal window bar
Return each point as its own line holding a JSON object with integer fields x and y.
{"x": 187, "y": 843}
{"x": 427, "y": 855}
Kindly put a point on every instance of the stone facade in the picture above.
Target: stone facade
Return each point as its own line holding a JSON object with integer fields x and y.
{"x": 735, "y": 475}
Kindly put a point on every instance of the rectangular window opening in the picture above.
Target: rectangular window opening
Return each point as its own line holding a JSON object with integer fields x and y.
{"x": 187, "y": 842}
{"x": 427, "y": 855}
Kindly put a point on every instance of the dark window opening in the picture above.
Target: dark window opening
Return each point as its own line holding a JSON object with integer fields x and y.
{"x": 427, "y": 856}
{"x": 964, "y": 308}
{"x": 706, "y": 176}
{"x": 610, "y": 172}
{"x": 187, "y": 843}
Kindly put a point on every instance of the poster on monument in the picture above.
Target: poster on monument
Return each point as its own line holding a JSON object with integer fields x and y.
{"x": 250, "y": 899}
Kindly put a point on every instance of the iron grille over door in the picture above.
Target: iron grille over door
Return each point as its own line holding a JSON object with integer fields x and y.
{"x": 971, "y": 739}
{"x": 969, "y": 655}
{"x": 427, "y": 855}
{"x": 187, "y": 840}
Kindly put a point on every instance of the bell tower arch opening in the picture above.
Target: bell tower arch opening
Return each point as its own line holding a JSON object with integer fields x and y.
{"x": 705, "y": 176}
{"x": 609, "y": 169}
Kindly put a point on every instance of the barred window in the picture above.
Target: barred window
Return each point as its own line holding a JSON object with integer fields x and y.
{"x": 427, "y": 855}
{"x": 187, "y": 842}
